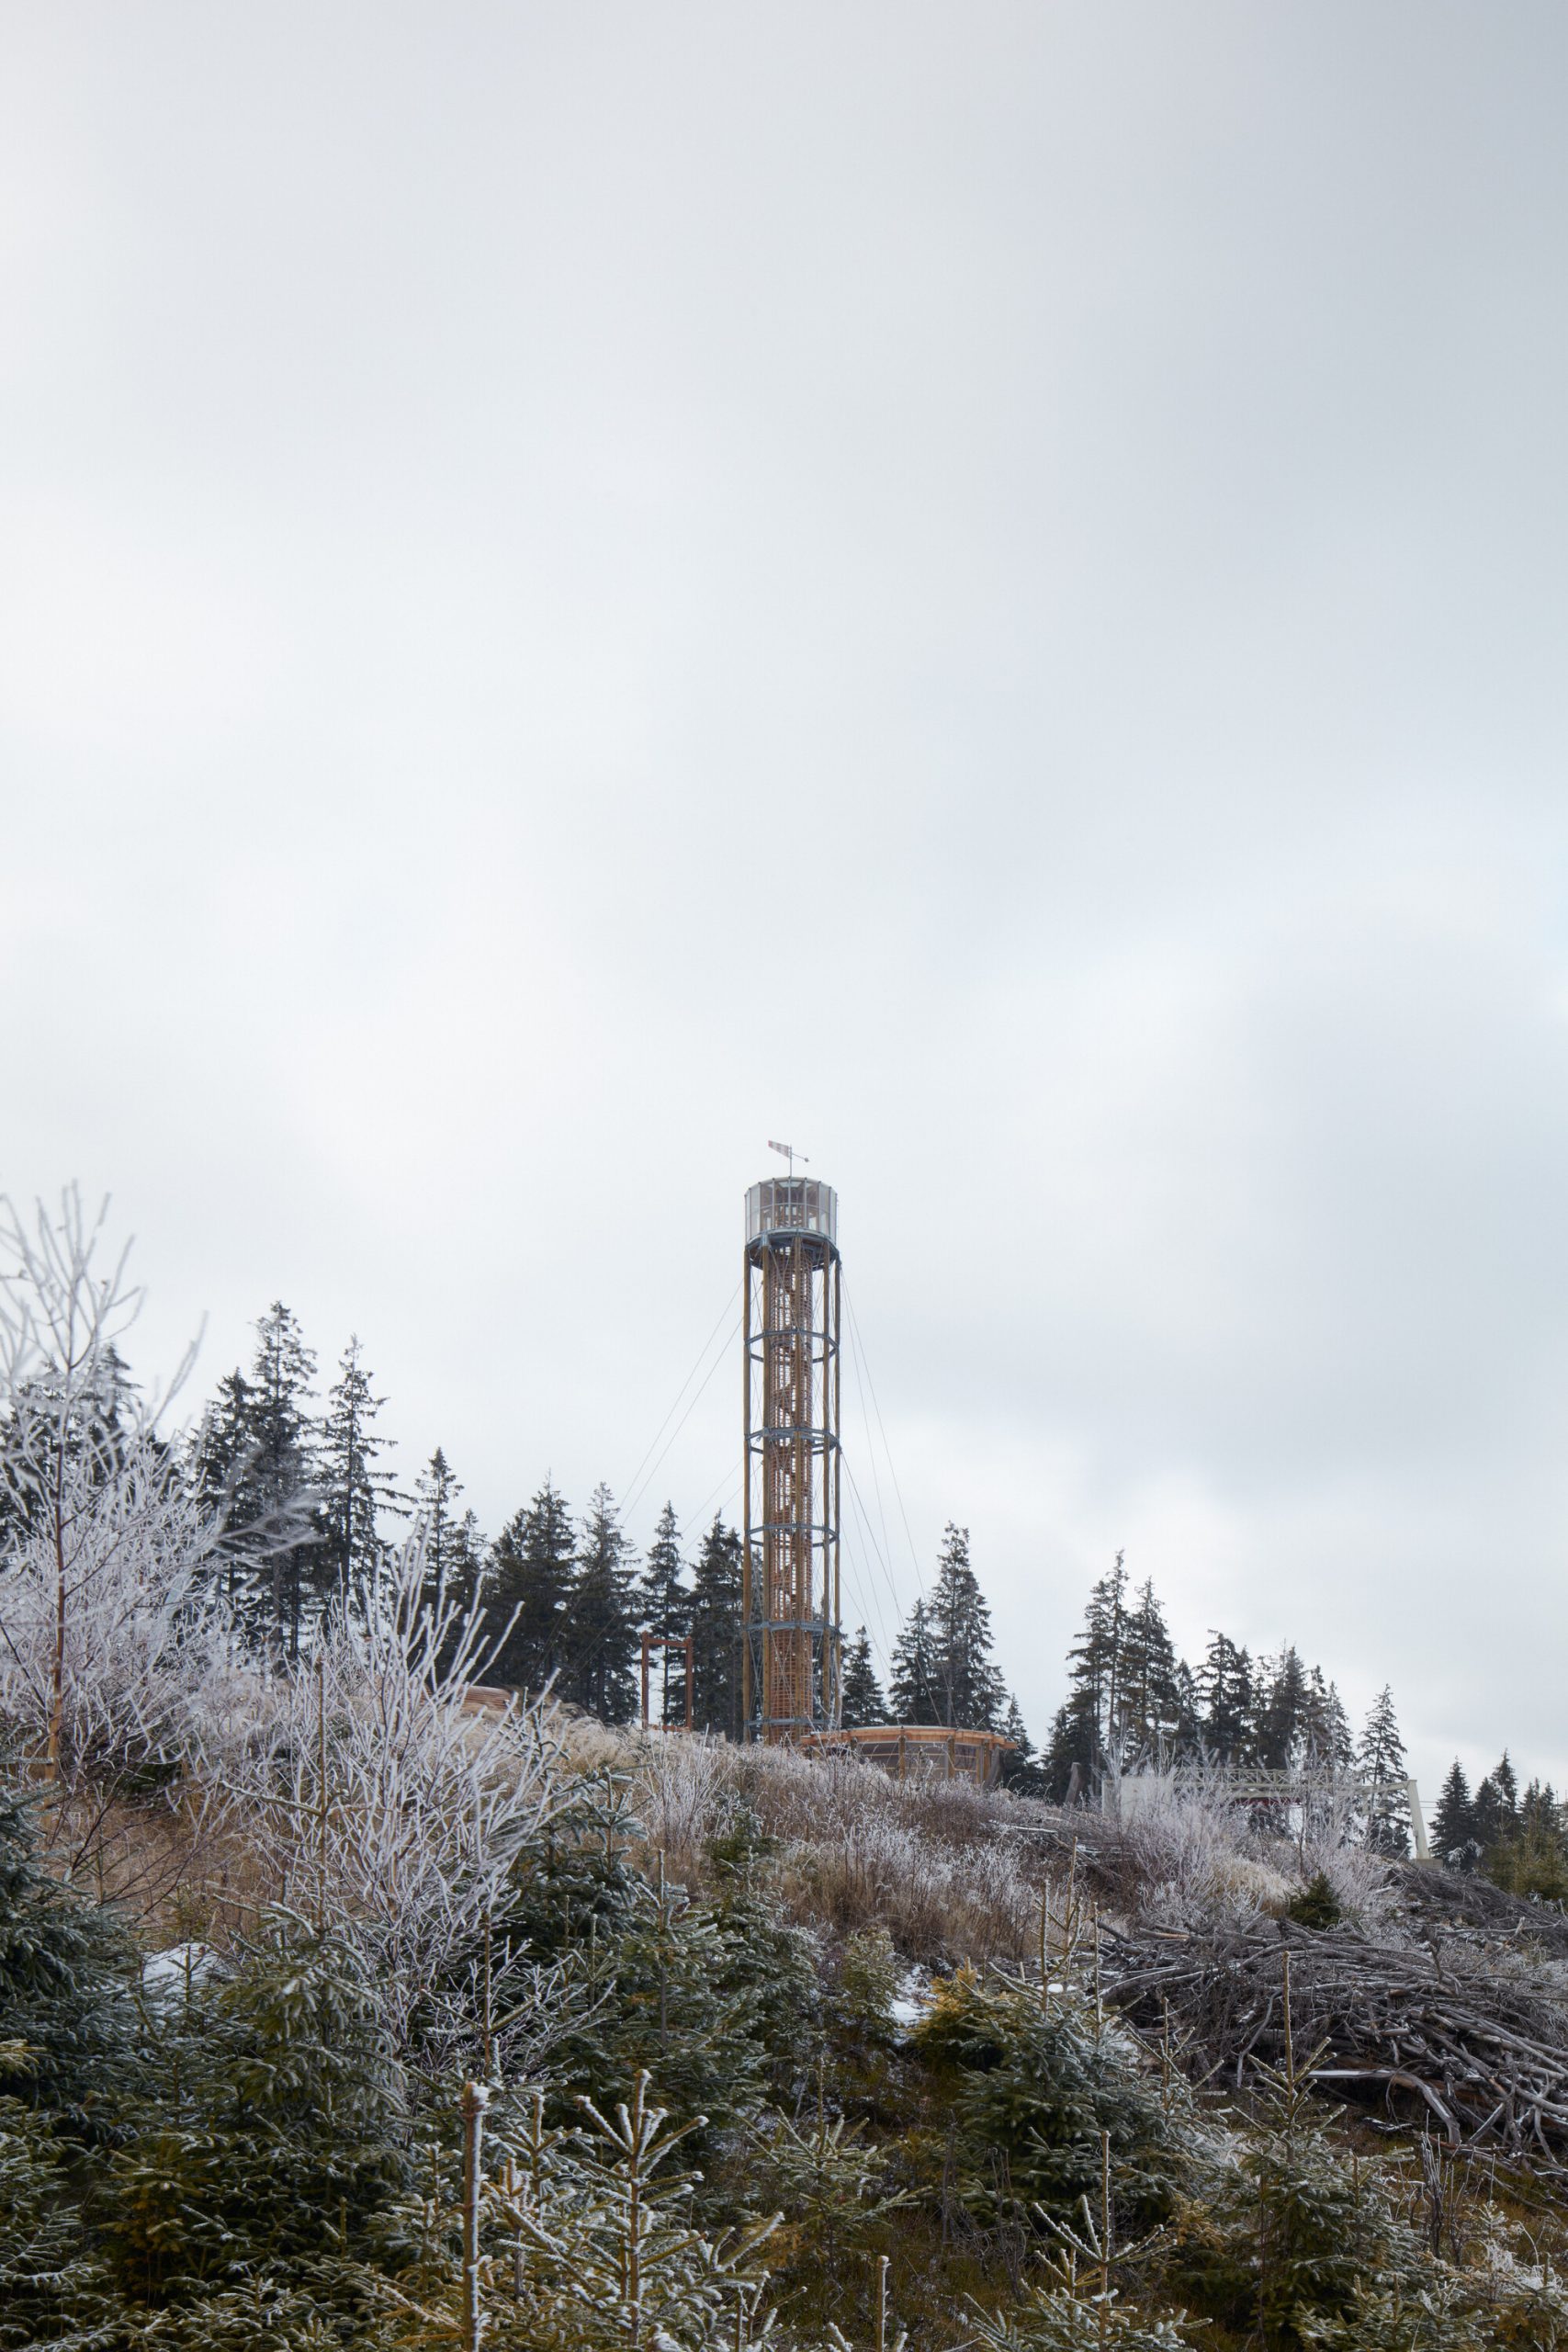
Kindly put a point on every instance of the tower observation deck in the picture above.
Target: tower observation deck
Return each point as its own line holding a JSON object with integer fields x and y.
{"x": 792, "y": 1293}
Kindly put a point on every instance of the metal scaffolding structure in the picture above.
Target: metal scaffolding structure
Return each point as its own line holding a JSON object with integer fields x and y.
{"x": 792, "y": 1658}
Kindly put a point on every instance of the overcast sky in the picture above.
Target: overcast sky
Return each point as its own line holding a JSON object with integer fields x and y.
{"x": 979, "y": 588}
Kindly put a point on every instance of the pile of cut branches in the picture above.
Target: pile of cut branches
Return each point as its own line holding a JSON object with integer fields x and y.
{"x": 1428, "y": 2035}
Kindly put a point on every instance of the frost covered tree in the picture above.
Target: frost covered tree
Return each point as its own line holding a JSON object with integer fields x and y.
{"x": 454, "y": 1549}
{"x": 111, "y": 1616}
{"x": 1382, "y": 1760}
{"x": 279, "y": 1494}
{"x": 563, "y": 2238}
{"x": 379, "y": 1807}
{"x": 352, "y": 1486}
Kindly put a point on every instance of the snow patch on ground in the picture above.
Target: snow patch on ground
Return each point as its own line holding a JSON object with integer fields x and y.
{"x": 167, "y": 1974}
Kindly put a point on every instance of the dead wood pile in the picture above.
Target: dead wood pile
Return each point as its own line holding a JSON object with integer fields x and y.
{"x": 1454, "y": 2033}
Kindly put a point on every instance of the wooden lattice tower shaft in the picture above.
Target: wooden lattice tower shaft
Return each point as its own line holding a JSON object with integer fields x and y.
{"x": 793, "y": 1293}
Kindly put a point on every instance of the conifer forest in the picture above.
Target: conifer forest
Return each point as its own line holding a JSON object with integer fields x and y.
{"x": 368, "y": 1976}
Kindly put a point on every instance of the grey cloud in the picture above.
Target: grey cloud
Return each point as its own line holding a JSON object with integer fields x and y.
{"x": 985, "y": 586}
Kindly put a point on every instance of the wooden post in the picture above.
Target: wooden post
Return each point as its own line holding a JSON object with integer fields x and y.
{"x": 689, "y": 1670}
{"x": 645, "y": 1644}
{"x": 476, "y": 2099}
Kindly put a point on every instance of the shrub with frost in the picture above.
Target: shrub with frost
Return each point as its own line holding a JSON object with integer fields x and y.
{"x": 1359, "y": 1878}
{"x": 114, "y": 1643}
{"x": 680, "y": 1790}
{"x": 381, "y": 1802}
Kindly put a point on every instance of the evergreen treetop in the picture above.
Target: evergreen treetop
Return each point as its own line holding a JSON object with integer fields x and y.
{"x": 1284, "y": 1712}
{"x": 529, "y": 1589}
{"x": 666, "y": 1606}
{"x": 965, "y": 1689}
{"x": 864, "y": 1703}
{"x": 913, "y": 1684}
{"x": 353, "y": 1487}
{"x": 282, "y": 1464}
{"x": 454, "y": 1548}
{"x": 1225, "y": 1696}
{"x": 1453, "y": 1821}
{"x": 1381, "y": 1760}
{"x": 603, "y": 1619}
{"x": 1152, "y": 1703}
{"x": 716, "y": 1631}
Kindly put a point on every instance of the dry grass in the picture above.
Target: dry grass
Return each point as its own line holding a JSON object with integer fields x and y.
{"x": 1362, "y": 1882}
{"x": 1186, "y": 1856}
{"x": 936, "y": 1863}
{"x": 952, "y": 1872}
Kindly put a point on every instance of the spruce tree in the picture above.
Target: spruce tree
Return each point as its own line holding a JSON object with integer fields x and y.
{"x": 1062, "y": 1757}
{"x": 1036, "y": 2084}
{"x": 1326, "y": 1740}
{"x": 1188, "y": 1711}
{"x": 1486, "y": 1814}
{"x": 913, "y": 1684}
{"x": 68, "y": 1970}
{"x": 1381, "y": 1760}
{"x": 1021, "y": 1767}
{"x": 51, "y": 1418}
{"x": 1453, "y": 1821}
{"x": 454, "y": 1549}
{"x": 1284, "y": 1712}
{"x": 1505, "y": 1782}
{"x": 601, "y": 1618}
{"x": 275, "y": 2132}
{"x": 528, "y": 1593}
{"x": 1226, "y": 1697}
{"x": 54, "y": 2291}
{"x": 864, "y": 1703}
{"x": 716, "y": 1633}
{"x": 1533, "y": 1859}
{"x": 1339, "y": 1741}
{"x": 1152, "y": 1700}
{"x": 219, "y": 1465}
{"x": 282, "y": 1476}
{"x": 666, "y": 1603}
{"x": 1088, "y": 1725}
{"x": 353, "y": 1487}
{"x": 1494, "y": 1815}
{"x": 966, "y": 1689}
{"x": 252, "y": 1463}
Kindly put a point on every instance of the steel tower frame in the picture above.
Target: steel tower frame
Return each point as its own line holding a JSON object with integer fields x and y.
{"x": 791, "y": 1366}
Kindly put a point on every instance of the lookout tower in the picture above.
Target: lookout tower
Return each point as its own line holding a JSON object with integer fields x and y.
{"x": 790, "y": 1320}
